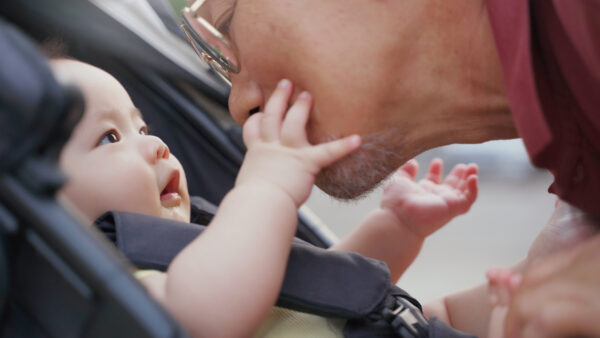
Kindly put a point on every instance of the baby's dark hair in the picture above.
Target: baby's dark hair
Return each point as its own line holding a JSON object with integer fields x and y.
{"x": 55, "y": 48}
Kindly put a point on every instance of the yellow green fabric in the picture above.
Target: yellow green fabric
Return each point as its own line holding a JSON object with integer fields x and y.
{"x": 284, "y": 323}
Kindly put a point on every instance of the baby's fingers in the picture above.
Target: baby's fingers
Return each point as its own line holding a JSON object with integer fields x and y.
{"x": 472, "y": 189}
{"x": 493, "y": 289}
{"x": 434, "y": 173}
{"x": 293, "y": 130}
{"x": 408, "y": 170}
{"x": 467, "y": 194}
{"x": 456, "y": 175}
{"x": 326, "y": 153}
{"x": 498, "y": 286}
{"x": 468, "y": 183}
{"x": 275, "y": 110}
{"x": 251, "y": 130}
{"x": 470, "y": 170}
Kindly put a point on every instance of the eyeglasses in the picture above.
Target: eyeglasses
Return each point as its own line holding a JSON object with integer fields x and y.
{"x": 210, "y": 44}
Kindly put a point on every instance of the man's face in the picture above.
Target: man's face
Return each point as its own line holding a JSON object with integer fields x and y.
{"x": 339, "y": 51}
{"x": 111, "y": 161}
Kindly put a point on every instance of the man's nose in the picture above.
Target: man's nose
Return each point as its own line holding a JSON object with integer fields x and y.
{"x": 245, "y": 97}
{"x": 153, "y": 149}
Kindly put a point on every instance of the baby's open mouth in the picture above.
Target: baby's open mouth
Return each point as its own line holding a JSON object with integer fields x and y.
{"x": 169, "y": 196}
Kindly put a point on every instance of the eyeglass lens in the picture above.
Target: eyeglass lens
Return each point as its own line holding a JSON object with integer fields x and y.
{"x": 210, "y": 44}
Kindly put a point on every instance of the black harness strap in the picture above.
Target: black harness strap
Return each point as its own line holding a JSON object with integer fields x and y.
{"x": 360, "y": 283}
{"x": 317, "y": 281}
{"x": 312, "y": 273}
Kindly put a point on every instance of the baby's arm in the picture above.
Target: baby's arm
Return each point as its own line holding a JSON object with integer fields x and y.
{"x": 411, "y": 211}
{"x": 225, "y": 282}
{"x": 475, "y": 310}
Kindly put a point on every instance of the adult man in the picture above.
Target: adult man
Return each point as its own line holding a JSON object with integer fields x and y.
{"x": 412, "y": 75}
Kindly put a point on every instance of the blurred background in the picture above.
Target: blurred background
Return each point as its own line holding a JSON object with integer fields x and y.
{"x": 512, "y": 206}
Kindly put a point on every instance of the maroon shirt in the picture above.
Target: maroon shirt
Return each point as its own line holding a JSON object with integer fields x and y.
{"x": 550, "y": 54}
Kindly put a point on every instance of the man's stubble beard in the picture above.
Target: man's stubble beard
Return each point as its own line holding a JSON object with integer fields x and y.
{"x": 359, "y": 173}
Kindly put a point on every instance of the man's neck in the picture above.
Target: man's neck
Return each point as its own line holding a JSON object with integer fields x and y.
{"x": 468, "y": 103}
{"x": 485, "y": 103}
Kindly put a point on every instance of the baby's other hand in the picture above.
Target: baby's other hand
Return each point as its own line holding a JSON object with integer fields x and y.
{"x": 279, "y": 154}
{"x": 502, "y": 282}
{"x": 427, "y": 205}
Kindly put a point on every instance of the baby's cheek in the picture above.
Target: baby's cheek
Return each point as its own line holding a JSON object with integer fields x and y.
{"x": 79, "y": 199}
{"x": 139, "y": 194}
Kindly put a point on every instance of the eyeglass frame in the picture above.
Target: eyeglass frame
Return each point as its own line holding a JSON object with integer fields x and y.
{"x": 219, "y": 62}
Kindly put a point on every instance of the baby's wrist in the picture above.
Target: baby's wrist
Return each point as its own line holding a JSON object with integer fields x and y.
{"x": 390, "y": 217}
{"x": 267, "y": 190}
{"x": 393, "y": 216}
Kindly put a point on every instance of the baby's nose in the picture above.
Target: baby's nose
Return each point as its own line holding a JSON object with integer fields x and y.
{"x": 154, "y": 149}
{"x": 163, "y": 151}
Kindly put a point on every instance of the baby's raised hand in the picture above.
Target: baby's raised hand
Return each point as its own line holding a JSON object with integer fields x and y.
{"x": 430, "y": 203}
{"x": 279, "y": 154}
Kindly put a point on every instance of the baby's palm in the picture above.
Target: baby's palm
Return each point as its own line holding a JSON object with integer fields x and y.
{"x": 430, "y": 203}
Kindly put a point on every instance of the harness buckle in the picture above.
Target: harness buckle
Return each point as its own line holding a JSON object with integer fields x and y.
{"x": 406, "y": 319}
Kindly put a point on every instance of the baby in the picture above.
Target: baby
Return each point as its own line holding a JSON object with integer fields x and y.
{"x": 114, "y": 164}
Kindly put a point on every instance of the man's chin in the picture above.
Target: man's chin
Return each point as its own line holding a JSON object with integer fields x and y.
{"x": 362, "y": 171}
{"x": 348, "y": 180}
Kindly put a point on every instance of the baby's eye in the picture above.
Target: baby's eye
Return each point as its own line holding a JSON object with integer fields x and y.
{"x": 111, "y": 136}
{"x": 143, "y": 130}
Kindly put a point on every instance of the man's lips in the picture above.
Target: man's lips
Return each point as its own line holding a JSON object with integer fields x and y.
{"x": 170, "y": 197}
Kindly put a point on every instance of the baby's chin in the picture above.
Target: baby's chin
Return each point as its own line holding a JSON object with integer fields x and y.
{"x": 179, "y": 214}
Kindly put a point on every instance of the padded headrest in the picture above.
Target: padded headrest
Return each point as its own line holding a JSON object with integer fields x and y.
{"x": 37, "y": 114}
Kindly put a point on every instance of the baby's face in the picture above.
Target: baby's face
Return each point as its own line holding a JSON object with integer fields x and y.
{"x": 111, "y": 161}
